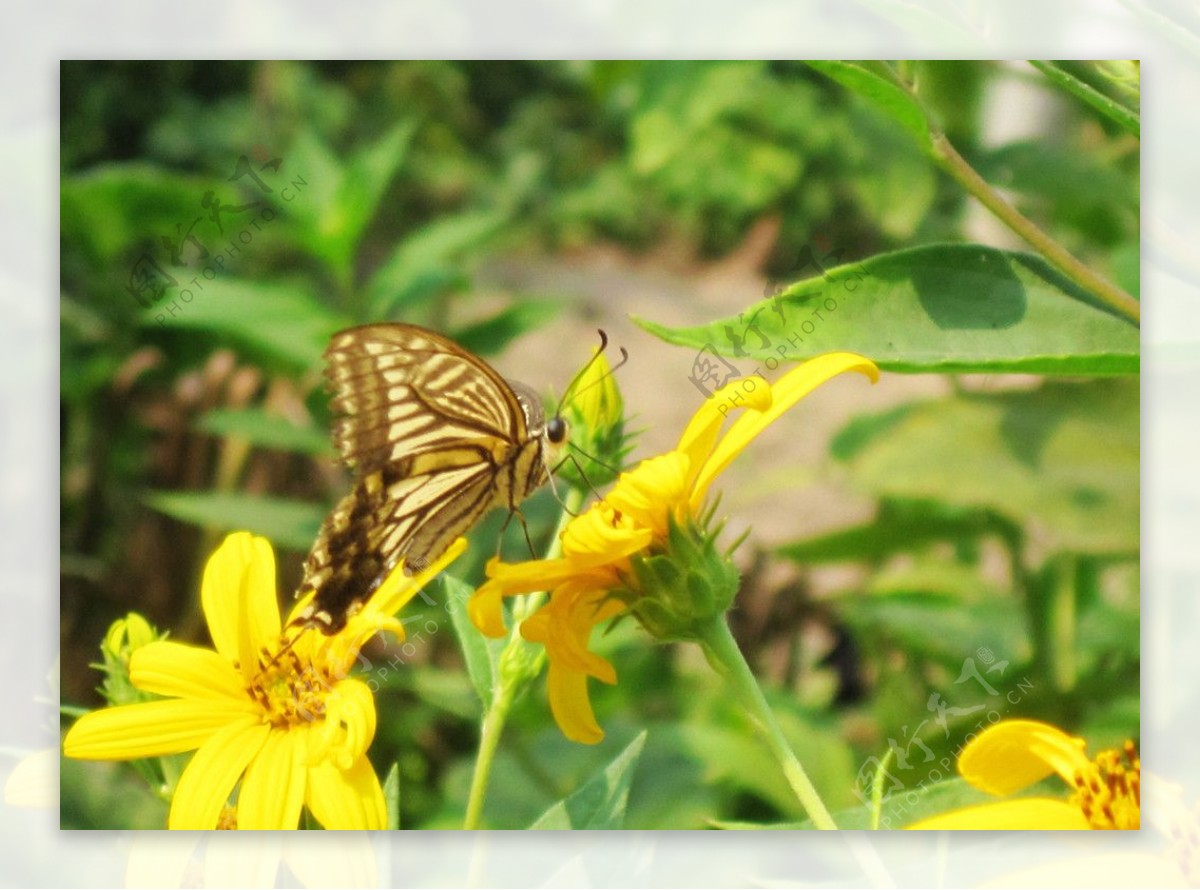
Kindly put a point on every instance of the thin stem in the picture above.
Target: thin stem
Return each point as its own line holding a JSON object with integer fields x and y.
{"x": 518, "y": 664}
{"x": 1108, "y": 293}
{"x": 726, "y": 659}
{"x": 489, "y": 741}
{"x": 1125, "y": 118}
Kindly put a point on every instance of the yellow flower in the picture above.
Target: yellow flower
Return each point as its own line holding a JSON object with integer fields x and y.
{"x": 644, "y": 548}
{"x": 292, "y": 727}
{"x": 1014, "y": 754}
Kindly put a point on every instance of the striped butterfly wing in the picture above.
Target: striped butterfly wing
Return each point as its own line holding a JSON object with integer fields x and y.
{"x": 435, "y": 438}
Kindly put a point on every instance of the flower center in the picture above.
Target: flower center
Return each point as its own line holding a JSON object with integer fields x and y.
{"x": 1109, "y": 792}
{"x": 291, "y": 692}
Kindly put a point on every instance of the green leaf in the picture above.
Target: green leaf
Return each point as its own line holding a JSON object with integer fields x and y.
{"x": 905, "y": 806}
{"x": 287, "y": 523}
{"x": 115, "y": 207}
{"x": 391, "y": 797}
{"x": 266, "y": 430}
{"x": 435, "y": 252}
{"x": 1062, "y": 459}
{"x": 899, "y": 527}
{"x": 938, "y": 625}
{"x": 480, "y": 654}
{"x": 1123, "y": 117}
{"x": 600, "y": 803}
{"x": 872, "y": 83}
{"x": 491, "y": 335}
{"x": 938, "y": 308}
{"x": 284, "y": 321}
{"x": 342, "y": 196}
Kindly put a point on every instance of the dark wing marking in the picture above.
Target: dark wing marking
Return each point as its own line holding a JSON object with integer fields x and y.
{"x": 376, "y": 525}
{"x": 430, "y": 432}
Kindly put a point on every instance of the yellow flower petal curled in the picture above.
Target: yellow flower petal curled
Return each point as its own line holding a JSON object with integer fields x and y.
{"x": 268, "y": 711}
{"x": 644, "y": 547}
{"x": 1014, "y": 754}
{"x": 785, "y": 393}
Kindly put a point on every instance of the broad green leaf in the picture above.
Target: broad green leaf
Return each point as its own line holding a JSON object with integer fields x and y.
{"x": 601, "y": 802}
{"x": 391, "y": 797}
{"x": 870, "y": 82}
{"x": 491, "y": 335}
{"x": 480, "y": 654}
{"x": 1061, "y": 460}
{"x": 938, "y": 308}
{"x": 115, "y": 208}
{"x": 367, "y": 177}
{"x": 435, "y": 252}
{"x": 287, "y": 523}
{"x": 342, "y": 195}
{"x": 936, "y": 625}
{"x": 899, "y": 527}
{"x": 284, "y": 321}
{"x": 266, "y": 430}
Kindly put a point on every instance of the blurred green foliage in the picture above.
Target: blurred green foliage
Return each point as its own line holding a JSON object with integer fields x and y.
{"x": 219, "y": 221}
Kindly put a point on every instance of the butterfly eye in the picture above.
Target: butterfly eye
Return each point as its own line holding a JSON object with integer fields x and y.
{"x": 556, "y": 430}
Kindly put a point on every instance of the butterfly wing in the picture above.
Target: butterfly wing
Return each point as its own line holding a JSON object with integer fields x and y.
{"x": 433, "y": 435}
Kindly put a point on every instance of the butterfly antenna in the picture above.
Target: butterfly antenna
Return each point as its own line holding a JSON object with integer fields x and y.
{"x": 572, "y": 387}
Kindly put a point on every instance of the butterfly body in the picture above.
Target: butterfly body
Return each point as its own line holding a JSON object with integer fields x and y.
{"x": 435, "y": 438}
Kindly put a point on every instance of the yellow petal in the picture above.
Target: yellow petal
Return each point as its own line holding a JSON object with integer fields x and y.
{"x": 1026, "y": 814}
{"x": 243, "y": 566}
{"x": 210, "y": 775}
{"x": 397, "y": 589}
{"x": 652, "y": 489}
{"x": 571, "y": 706}
{"x": 599, "y": 537}
{"x": 350, "y": 799}
{"x": 786, "y": 391}
{"x": 564, "y": 626}
{"x": 700, "y": 434}
{"x": 272, "y": 792}
{"x": 349, "y": 725}
{"x": 150, "y": 729}
{"x": 1013, "y": 754}
{"x": 183, "y": 671}
{"x": 485, "y": 607}
{"x": 258, "y": 610}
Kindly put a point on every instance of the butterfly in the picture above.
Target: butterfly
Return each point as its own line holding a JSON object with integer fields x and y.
{"x": 435, "y": 438}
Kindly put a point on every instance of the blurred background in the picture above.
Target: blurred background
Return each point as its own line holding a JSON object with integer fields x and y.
{"x": 924, "y": 553}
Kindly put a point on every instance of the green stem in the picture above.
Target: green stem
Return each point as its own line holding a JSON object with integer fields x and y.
{"x": 489, "y": 741}
{"x": 1061, "y": 616}
{"x": 726, "y": 659}
{"x": 1118, "y": 114}
{"x": 518, "y": 664}
{"x": 1108, "y": 293}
